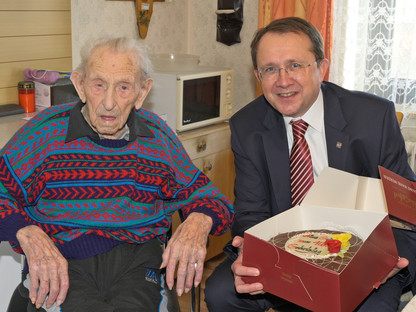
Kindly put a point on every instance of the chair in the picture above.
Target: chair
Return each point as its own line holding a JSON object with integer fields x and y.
{"x": 196, "y": 298}
{"x": 408, "y": 129}
{"x": 399, "y": 116}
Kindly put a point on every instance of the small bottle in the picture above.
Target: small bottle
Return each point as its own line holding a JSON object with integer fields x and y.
{"x": 27, "y": 95}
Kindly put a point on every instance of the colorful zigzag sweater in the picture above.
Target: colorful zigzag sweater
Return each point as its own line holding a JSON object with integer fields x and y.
{"x": 89, "y": 197}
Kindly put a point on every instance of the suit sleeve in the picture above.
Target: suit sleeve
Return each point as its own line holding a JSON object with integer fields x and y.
{"x": 252, "y": 197}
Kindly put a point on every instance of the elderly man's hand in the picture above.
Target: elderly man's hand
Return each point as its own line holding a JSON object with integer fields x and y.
{"x": 187, "y": 248}
{"x": 48, "y": 269}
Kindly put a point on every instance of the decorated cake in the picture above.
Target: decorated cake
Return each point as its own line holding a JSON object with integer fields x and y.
{"x": 332, "y": 250}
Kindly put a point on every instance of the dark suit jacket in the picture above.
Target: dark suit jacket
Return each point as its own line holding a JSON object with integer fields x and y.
{"x": 364, "y": 125}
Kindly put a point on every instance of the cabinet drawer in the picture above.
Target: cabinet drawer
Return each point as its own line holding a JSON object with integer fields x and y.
{"x": 206, "y": 143}
{"x": 219, "y": 168}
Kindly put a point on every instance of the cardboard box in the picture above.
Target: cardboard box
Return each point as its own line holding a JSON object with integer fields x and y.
{"x": 336, "y": 198}
{"x": 63, "y": 91}
{"x": 400, "y": 195}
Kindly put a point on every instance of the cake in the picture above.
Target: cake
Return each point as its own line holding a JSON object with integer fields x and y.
{"x": 332, "y": 250}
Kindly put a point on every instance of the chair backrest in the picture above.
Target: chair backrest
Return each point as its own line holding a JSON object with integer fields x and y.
{"x": 399, "y": 117}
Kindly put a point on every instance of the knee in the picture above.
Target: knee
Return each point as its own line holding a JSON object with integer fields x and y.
{"x": 214, "y": 293}
{"x": 219, "y": 291}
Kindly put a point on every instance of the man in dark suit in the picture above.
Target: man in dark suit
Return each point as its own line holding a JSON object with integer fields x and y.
{"x": 351, "y": 131}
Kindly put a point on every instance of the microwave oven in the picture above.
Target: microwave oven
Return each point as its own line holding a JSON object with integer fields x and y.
{"x": 192, "y": 98}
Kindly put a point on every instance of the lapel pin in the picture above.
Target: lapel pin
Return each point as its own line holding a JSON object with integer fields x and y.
{"x": 339, "y": 145}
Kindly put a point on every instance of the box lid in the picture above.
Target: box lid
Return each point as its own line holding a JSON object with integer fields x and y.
{"x": 346, "y": 190}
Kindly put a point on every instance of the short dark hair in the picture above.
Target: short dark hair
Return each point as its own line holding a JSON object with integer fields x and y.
{"x": 290, "y": 25}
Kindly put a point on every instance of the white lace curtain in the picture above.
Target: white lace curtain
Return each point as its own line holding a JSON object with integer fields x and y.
{"x": 374, "y": 49}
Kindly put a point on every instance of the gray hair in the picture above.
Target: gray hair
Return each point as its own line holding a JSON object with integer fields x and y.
{"x": 118, "y": 45}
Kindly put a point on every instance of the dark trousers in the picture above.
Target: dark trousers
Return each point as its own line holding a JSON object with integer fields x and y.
{"x": 127, "y": 278}
{"x": 220, "y": 293}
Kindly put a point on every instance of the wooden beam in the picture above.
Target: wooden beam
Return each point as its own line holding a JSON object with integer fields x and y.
{"x": 144, "y": 10}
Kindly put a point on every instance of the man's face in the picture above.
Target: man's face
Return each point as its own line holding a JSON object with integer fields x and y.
{"x": 294, "y": 93}
{"x": 111, "y": 88}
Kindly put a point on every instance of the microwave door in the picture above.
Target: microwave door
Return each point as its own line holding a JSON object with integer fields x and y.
{"x": 201, "y": 99}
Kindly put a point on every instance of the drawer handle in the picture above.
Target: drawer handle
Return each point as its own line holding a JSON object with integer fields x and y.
{"x": 202, "y": 147}
{"x": 208, "y": 167}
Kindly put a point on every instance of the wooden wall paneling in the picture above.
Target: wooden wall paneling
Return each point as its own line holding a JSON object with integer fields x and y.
{"x": 33, "y": 34}
{"x": 29, "y": 23}
{"x": 12, "y": 72}
{"x": 35, "y": 48}
{"x": 35, "y": 5}
{"x": 9, "y": 95}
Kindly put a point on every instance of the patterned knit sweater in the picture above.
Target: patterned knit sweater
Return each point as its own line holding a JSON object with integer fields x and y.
{"x": 89, "y": 196}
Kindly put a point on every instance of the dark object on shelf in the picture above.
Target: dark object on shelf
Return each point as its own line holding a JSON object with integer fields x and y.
{"x": 11, "y": 109}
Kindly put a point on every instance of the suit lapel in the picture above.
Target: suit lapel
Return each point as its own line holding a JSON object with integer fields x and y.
{"x": 337, "y": 141}
{"x": 277, "y": 151}
{"x": 277, "y": 157}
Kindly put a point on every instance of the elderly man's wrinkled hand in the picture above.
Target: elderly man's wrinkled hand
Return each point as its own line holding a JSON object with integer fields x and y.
{"x": 187, "y": 249}
{"x": 48, "y": 269}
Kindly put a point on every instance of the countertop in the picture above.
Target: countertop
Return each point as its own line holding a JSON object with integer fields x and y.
{"x": 10, "y": 124}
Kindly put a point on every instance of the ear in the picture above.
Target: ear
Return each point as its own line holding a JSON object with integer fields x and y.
{"x": 256, "y": 73}
{"x": 144, "y": 91}
{"x": 323, "y": 68}
{"x": 77, "y": 79}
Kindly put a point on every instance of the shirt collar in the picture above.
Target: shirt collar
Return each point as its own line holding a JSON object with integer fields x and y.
{"x": 314, "y": 116}
{"x": 78, "y": 126}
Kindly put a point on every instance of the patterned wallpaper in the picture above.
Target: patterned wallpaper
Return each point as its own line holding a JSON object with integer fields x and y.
{"x": 179, "y": 26}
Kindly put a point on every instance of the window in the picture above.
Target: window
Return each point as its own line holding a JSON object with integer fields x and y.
{"x": 375, "y": 49}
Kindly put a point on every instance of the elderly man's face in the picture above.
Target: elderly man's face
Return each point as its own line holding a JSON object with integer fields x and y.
{"x": 111, "y": 88}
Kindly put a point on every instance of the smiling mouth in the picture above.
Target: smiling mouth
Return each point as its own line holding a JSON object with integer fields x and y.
{"x": 287, "y": 94}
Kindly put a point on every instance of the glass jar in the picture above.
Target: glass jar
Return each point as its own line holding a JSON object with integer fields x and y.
{"x": 27, "y": 95}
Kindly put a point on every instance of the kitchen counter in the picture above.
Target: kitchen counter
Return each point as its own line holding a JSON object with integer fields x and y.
{"x": 10, "y": 124}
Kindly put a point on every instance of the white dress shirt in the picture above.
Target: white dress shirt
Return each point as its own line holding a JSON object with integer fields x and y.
{"x": 315, "y": 134}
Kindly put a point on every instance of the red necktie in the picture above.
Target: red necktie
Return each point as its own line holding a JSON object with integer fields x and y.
{"x": 301, "y": 170}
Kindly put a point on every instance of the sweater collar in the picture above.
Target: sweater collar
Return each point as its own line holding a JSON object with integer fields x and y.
{"x": 78, "y": 126}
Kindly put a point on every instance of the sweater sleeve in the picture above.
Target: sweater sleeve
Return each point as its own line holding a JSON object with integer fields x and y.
{"x": 12, "y": 215}
{"x": 206, "y": 198}
{"x": 193, "y": 191}
{"x": 188, "y": 189}
{"x": 15, "y": 159}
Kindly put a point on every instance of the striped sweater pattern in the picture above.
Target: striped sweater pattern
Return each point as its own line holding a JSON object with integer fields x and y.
{"x": 100, "y": 193}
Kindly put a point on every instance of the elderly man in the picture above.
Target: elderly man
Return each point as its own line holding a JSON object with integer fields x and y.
{"x": 87, "y": 193}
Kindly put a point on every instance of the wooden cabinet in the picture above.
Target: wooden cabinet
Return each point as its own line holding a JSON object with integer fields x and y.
{"x": 210, "y": 151}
